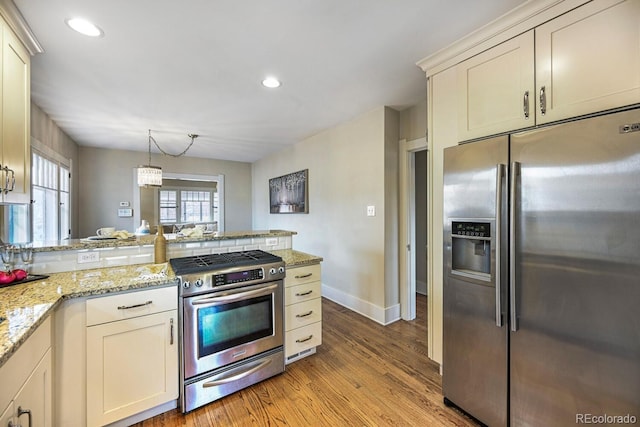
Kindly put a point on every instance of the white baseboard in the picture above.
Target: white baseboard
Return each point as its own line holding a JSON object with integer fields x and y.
{"x": 378, "y": 314}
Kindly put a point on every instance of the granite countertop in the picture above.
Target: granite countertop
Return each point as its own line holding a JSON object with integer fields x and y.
{"x": 24, "y": 307}
{"x": 75, "y": 244}
{"x": 294, "y": 258}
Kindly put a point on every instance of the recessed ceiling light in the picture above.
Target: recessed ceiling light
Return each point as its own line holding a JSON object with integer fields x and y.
{"x": 84, "y": 27}
{"x": 271, "y": 82}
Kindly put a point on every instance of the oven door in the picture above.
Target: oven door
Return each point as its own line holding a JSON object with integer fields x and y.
{"x": 220, "y": 328}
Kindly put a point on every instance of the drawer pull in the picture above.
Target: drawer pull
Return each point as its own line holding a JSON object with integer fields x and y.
{"x": 304, "y": 339}
{"x": 304, "y": 276}
{"x": 308, "y": 313}
{"x": 127, "y": 307}
{"x": 303, "y": 294}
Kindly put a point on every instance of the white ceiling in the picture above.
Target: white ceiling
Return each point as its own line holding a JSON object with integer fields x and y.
{"x": 195, "y": 66}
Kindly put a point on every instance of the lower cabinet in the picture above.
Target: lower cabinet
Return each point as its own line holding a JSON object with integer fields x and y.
{"x": 303, "y": 311}
{"x": 132, "y": 354}
{"x": 26, "y": 395}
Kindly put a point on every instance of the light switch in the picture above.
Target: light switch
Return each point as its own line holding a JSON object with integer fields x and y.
{"x": 371, "y": 211}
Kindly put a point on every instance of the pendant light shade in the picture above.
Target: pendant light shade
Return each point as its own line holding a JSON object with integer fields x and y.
{"x": 149, "y": 176}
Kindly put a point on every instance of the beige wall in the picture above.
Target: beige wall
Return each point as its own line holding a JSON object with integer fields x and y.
{"x": 413, "y": 121}
{"x": 350, "y": 167}
{"x": 106, "y": 177}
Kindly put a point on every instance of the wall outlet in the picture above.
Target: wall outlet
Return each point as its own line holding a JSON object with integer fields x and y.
{"x": 84, "y": 257}
{"x": 371, "y": 211}
{"x": 271, "y": 241}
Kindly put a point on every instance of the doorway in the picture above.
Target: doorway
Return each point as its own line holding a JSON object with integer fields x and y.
{"x": 413, "y": 224}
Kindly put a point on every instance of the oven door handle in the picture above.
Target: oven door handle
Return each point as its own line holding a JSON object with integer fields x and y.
{"x": 241, "y": 375}
{"x": 231, "y": 297}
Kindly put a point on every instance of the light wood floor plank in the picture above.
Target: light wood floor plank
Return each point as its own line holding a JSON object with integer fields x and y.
{"x": 363, "y": 374}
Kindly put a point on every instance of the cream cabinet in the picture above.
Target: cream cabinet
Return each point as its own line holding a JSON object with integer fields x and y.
{"x": 584, "y": 61}
{"x": 303, "y": 311}
{"x": 588, "y": 60}
{"x": 15, "y": 151}
{"x": 496, "y": 89}
{"x": 132, "y": 353}
{"x": 26, "y": 378}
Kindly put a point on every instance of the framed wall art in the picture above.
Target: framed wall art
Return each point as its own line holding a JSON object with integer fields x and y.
{"x": 289, "y": 193}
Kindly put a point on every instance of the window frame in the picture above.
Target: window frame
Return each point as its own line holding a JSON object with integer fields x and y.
{"x": 179, "y": 203}
{"x": 61, "y": 164}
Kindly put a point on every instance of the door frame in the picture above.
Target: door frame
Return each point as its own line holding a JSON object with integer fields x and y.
{"x": 407, "y": 242}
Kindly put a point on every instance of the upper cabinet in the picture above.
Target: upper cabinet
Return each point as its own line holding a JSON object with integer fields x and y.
{"x": 496, "y": 89}
{"x": 15, "y": 153}
{"x": 584, "y": 61}
{"x": 588, "y": 60}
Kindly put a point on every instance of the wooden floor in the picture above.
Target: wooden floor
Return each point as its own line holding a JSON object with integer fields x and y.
{"x": 363, "y": 374}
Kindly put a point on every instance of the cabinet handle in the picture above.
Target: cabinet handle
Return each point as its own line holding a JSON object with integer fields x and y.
{"x": 21, "y": 412}
{"x": 301, "y": 340}
{"x": 304, "y": 276}
{"x": 171, "y": 332}
{"x": 543, "y": 100}
{"x": 13, "y": 180}
{"x": 525, "y": 104}
{"x": 303, "y": 294}
{"x": 127, "y": 307}
{"x": 308, "y": 313}
{"x": 8, "y": 181}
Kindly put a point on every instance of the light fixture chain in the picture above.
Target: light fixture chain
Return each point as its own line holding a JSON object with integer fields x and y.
{"x": 151, "y": 138}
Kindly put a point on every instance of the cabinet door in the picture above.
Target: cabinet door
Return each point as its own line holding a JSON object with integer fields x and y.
{"x": 132, "y": 366}
{"x": 588, "y": 60}
{"x": 304, "y": 274}
{"x": 302, "y": 339}
{"x": 495, "y": 89}
{"x": 16, "y": 107}
{"x": 302, "y": 314}
{"x": 36, "y": 396}
{"x": 304, "y": 292}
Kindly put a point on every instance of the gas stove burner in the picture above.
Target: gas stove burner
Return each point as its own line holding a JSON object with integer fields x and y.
{"x": 210, "y": 262}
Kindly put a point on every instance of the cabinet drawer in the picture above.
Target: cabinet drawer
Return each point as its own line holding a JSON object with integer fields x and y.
{"x": 304, "y": 292}
{"x": 302, "y": 339}
{"x": 132, "y": 304}
{"x": 302, "y": 314}
{"x": 299, "y": 275}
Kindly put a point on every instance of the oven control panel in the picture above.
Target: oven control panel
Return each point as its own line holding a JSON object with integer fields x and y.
{"x": 196, "y": 283}
{"x": 237, "y": 277}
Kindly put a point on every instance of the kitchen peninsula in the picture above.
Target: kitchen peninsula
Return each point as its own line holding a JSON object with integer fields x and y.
{"x": 53, "y": 312}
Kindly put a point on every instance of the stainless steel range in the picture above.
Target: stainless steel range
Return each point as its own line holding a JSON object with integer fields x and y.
{"x": 231, "y": 308}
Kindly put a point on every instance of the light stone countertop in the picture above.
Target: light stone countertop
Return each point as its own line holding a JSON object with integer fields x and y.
{"x": 293, "y": 258}
{"x": 24, "y": 307}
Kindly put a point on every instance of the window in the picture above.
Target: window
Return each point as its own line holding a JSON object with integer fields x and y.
{"x": 187, "y": 205}
{"x": 50, "y": 185}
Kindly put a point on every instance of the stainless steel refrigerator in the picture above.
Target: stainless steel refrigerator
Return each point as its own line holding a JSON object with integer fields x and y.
{"x": 542, "y": 274}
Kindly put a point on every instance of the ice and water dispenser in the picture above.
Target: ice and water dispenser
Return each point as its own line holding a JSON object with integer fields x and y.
{"x": 471, "y": 249}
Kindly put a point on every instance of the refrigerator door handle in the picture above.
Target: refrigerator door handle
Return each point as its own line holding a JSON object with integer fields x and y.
{"x": 500, "y": 175}
{"x": 513, "y": 198}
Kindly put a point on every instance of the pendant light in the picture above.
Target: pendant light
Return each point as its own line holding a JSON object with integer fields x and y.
{"x": 151, "y": 176}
